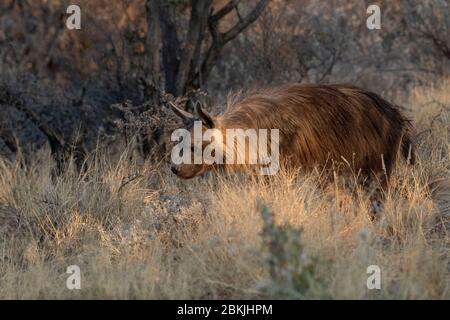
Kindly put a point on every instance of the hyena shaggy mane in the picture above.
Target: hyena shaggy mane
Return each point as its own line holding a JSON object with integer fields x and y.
{"x": 318, "y": 125}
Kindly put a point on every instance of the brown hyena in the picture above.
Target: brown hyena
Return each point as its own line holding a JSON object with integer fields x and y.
{"x": 319, "y": 125}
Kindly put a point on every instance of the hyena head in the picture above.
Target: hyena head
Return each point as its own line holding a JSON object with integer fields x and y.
{"x": 191, "y": 146}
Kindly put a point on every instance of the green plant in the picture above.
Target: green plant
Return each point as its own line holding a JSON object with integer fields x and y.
{"x": 292, "y": 271}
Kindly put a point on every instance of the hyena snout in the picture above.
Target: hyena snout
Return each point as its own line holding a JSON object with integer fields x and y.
{"x": 188, "y": 171}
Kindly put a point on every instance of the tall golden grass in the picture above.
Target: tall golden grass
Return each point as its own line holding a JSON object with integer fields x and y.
{"x": 136, "y": 231}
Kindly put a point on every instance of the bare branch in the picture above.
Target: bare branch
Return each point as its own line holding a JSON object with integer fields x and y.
{"x": 226, "y": 9}
{"x": 221, "y": 39}
{"x": 245, "y": 21}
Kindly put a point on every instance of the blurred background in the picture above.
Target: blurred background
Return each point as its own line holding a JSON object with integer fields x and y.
{"x": 108, "y": 84}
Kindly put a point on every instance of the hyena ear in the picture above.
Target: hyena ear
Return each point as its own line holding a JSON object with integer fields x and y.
{"x": 206, "y": 118}
{"x": 184, "y": 115}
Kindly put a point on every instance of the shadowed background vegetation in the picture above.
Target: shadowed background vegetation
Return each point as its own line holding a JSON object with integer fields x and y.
{"x": 84, "y": 130}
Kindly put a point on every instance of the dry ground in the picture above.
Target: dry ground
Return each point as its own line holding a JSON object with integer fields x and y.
{"x": 136, "y": 231}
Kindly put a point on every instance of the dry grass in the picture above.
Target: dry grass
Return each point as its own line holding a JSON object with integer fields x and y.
{"x": 138, "y": 232}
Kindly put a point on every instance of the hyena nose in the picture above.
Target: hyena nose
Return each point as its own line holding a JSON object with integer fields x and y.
{"x": 174, "y": 169}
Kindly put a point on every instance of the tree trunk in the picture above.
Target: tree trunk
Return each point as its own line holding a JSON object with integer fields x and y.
{"x": 192, "y": 47}
{"x": 153, "y": 42}
{"x": 187, "y": 66}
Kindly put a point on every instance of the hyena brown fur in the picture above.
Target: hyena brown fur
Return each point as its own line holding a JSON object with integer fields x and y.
{"x": 318, "y": 125}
